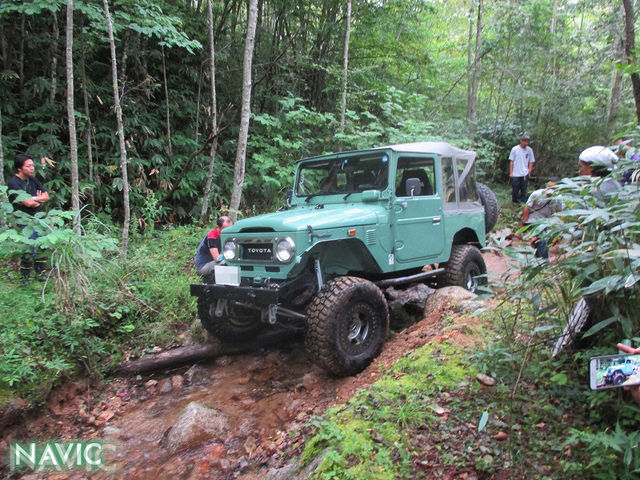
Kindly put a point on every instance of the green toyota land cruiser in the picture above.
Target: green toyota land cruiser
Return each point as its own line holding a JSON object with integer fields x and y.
{"x": 354, "y": 223}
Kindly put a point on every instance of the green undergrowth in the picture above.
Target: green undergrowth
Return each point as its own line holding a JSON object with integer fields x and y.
{"x": 371, "y": 436}
{"x": 124, "y": 307}
{"x": 428, "y": 417}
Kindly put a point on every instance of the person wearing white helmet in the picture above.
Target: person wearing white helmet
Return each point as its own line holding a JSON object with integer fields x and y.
{"x": 599, "y": 161}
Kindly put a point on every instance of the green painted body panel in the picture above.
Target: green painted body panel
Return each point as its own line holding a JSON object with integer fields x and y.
{"x": 386, "y": 233}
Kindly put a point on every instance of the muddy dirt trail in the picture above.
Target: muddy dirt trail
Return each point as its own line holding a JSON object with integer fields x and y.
{"x": 266, "y": 397}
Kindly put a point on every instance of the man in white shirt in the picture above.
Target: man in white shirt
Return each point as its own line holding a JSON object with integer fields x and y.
{"x": 521, "y": 161}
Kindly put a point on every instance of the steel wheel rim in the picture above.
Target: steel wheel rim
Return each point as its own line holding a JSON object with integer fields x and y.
{"x": 471, "y": 282}
{"x": 357, "y": 328}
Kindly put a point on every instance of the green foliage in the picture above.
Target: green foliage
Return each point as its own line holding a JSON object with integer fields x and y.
{"x": 598, "y": 235}
{"x": 612, "y": 451}
{"x": 370, "y": 437}
{"x": 407, "y": 81}
{"x": 94, "y": 304}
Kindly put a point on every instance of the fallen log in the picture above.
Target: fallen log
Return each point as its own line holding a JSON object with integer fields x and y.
{"x": 195, "y": 353}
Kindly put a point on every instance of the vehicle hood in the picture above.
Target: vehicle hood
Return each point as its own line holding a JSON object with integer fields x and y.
{"x": 330, "y": 216}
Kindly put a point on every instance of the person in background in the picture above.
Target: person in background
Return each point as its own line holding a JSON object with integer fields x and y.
{"x": 626, "y": 152}
{"x": 542, "y": 204}
{"x": 635, "y": 390}
{"x": 521, "y": 161}
{"x": 209, "y": 249}
{"x": 25, "y": 180}
{"x": 599, "y": 161}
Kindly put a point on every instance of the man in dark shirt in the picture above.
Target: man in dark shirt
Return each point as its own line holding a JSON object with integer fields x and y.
{"x": 209, "y": 249}
{"x": 25, "y": 180}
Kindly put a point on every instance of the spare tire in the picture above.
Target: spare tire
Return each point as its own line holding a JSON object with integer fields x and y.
{"x": 490, "y": 204}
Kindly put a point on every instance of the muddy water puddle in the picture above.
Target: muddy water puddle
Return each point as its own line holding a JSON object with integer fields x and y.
{"x": 262, "y": 395}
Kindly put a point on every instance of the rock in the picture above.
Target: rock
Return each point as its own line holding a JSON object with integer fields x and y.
{"x": 449, "y": 298}
{"x": 406, "y": 307}
{"x": 196, "y": 374}
{"x": 11, "y": 412}
{"x": 195, "y": 425}
{"x": 439, "y": 410}
{"x": 500, "y": 436}
{"x": 224, "y": 361}
{"x": 288, "y": 472}
{"x": 109, "y": 430}
{"x": 151, "y": 383}
{"x": 165, "y": 386}
{"x": 486, "y": 380}
{"x": 294, "y": 471}
{"x": 104, "y": 417}
{"x": 215, "y": 451}
{"x": 224, "y": 465}
{"x": 177, "y": 381}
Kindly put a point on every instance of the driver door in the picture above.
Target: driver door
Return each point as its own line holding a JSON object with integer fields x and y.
{"x": 418, "y": 226}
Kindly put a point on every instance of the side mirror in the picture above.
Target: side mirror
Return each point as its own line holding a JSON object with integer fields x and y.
{"x": 289, "y": 196}
{"x": 370, "y": 195}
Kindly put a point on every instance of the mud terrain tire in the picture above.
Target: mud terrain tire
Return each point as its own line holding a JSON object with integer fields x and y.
{"x": 490, "y": 204}
{"x": 236, "y": 325}
{"x": 619, "y": 378}
{"x": 576, "y": 322}
{"x": 465, "y": 263}
{"x": 347, "y": 324}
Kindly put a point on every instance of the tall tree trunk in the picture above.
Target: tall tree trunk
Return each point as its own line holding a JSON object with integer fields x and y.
{"x": 214, "y": 117}
{"x": 123, "y": 150}
{"x": 617, "y": 55}
{"x": 472, "y": 99}
{"x": 345, "y": 68}
{"x": 4, "y": 50}
{"x": 88, "y": 133}
{"x": 21, "y": 55}
{"x": 3, "y": 222}
{"x": 198, "y": 99}
{"x": 629, "y": 50}
{"x": 73, "y": 142}
{"x": 168, "y": 109}
{"x": 239, "y": 167}
{"x": 54, "y": 57}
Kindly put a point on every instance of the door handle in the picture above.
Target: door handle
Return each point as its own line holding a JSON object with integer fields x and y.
{"x": 436, "y": 220}
{"x": 400, "y": 207}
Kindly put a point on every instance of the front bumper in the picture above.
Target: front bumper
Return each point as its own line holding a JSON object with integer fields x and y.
{"x": 257, "y": 296}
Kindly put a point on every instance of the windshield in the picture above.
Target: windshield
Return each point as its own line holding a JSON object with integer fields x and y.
{"x": 346, "y": 175}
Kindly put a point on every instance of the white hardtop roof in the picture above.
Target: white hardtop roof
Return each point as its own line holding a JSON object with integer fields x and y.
{"x": 442, "y": 149}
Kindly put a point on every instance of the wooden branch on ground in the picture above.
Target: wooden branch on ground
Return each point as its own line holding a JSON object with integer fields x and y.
{"x": 195, "y": 353}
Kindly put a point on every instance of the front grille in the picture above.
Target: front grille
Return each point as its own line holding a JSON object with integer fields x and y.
{"x": 257, "y": 251}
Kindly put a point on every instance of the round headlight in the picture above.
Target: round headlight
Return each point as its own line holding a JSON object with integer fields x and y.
{"x": 229, "y": 250}
{"x": 285, "y": 250}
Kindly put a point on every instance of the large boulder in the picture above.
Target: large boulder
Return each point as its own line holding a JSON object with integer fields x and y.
{"x": 195, "y": 425}
{"x": 406, "y": 306}
{"x": 11, "y": 412}
{"x": 295, "y": 471}
{"x": 456, "y": 299}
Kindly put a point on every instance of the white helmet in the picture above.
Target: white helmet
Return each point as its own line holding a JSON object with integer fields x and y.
{"x": 599, "y": 155}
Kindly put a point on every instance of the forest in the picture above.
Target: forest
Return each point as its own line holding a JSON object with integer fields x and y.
{"x": 148, "y": 119}
{"x": 472, "y": 73}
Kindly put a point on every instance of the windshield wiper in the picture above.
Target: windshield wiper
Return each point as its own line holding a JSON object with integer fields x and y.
{"x": 347, "y": 195}
{"x": 310, "y": 196}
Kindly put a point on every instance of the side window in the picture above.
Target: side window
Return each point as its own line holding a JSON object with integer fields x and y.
{"x": 420, "y": 169}
{"x": 466, "y": 180}
{"x": 448, "y": 180}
